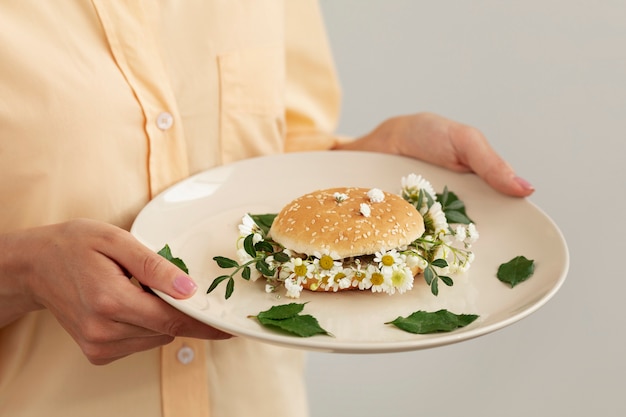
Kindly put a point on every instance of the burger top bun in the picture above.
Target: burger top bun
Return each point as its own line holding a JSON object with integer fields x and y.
{"x": 346, "y": 222}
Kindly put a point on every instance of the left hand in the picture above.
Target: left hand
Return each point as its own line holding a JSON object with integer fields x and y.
{"x": 446, "y": 143}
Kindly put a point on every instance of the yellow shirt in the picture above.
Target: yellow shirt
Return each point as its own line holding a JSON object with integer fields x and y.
{"x": 105, "y": 103}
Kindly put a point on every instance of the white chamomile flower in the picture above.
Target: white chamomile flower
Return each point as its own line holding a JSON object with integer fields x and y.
{"x": 401, "y": 280}
{"x": 365, "y": 210}
{"x": 459, "y": 267}
{"x": 293, "y": 288}
{"x": 345, "y": 282}
{"x": 326, "y": 264}
{"x": 243, "y": 258}
{"x": 340, "y": 280}
{"x": 378, "y": 281}
{"x": 472, "y": 233}
{"x": 248, "y": 226}
{"x": 272, "y": 263}
{"x": 412, "y": 183}
{"x": 334, "y": 256}
{"x": 298, "y": 268}
{"x": 413, "y": 260}
{"x": 340, "y": 197}
{"x": 360, "y": 278}
{"x": 460, "y": 233}
{"x": 375, "y": 195}
{"x": 387, "y": 260}
{"x": 435, "y": 220}
{"x": 269, "y": 288}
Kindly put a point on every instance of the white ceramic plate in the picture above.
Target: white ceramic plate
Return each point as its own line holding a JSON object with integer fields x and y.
{"x": 198, "y": 218}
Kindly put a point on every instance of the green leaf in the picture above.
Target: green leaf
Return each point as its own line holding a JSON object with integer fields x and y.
{"x": 446, "y": 280}
{"x": 281, "y": 257}
{"x": 217, "y": 282}
{"x": 224, "y": 262}
{"x": 420, "y": 199}
{"x": 282, "y": 311}
{"x": 264, "y": 246}
{"x": 515, "y": 271}
{"x": 434, "y": 286}
{"x": 287, "y": 318}
{"x": 248, "y": 245}
{"x": 440, "y": 263}
{"x": 264, "y": 221}
{"x": 230, "y": 287}
{"x": 457, "y": 217}
{"x": 246, "y": 273}
{"x": 264, "y": 268}
{"x": 429, "y": 275}
{"x": 423, "y": 322}
{"x": 453, "y": 207}
{"x": 302, "y": 326}
{"x": 166, "y": 252}
{"x": 443, "y": 197}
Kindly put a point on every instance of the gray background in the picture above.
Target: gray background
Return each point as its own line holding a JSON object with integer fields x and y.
{"x": 545, "y": 81}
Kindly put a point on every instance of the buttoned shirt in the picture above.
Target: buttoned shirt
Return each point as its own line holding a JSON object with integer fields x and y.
{"x": 104, "y": 104}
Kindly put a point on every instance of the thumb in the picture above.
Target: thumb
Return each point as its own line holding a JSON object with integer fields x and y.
{"x": 150, "y": 268}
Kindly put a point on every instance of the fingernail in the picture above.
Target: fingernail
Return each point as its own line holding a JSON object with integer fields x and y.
{"x": 524, "y": 184}
{"x": 185, "y": 285}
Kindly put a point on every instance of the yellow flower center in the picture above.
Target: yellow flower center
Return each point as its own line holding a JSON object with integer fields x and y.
{"x": 326, "y": 262}
{"x": 397, "y": 278}
{"x": 387, "y": 260}
{"x": 339, "y": 276}
{"x": 300, "y": 270}
{"x": 377, "y": 278}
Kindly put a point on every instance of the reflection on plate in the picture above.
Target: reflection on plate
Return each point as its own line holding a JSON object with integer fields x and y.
{"x": 198, "y": 218}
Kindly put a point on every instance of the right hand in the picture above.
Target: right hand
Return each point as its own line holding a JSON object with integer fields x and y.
{"x": 79, "y": 270}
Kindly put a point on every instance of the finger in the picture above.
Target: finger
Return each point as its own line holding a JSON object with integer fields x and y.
{"x": 148, "y": 267}
{"x": 102, "y": 354}
{"x": 151, "y": 314}
{"x": 476, "y": 154}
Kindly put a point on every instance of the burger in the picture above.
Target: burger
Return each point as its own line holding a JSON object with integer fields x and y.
{"x": 348, "y": 238}
{"x": 352, "y": 238}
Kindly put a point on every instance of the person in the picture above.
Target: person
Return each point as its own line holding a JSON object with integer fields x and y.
{"x": 103, "y": 105}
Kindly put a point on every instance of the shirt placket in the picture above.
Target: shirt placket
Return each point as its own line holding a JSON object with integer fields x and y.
{"x": 131, "y": 30}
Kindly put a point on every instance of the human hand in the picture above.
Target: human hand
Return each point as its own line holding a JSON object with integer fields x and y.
{"x": 446, "y": 143}
{"x": 78, "y": 270}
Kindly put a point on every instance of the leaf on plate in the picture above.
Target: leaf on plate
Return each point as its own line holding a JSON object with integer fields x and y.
{"x": 515, "y": 271}
{"x": 282, "y": 311}
{"x": 300, "y": 325}
{"x": 287, "y": 318}
{"x": 424, "y": 322}
{"x": 166, "y": 252}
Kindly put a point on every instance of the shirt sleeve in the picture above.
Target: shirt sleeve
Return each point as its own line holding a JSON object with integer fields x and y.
{"x": 312, "y": 94}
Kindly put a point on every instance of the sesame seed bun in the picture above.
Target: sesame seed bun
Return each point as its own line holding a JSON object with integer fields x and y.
{"x": 346, "y": 222}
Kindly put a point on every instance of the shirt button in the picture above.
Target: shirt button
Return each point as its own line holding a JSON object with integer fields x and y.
{"x": 164, "y": 120}
{"x": 185, "y": 355}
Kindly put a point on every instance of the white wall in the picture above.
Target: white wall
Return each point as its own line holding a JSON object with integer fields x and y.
{"x": 546, "y": 82}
